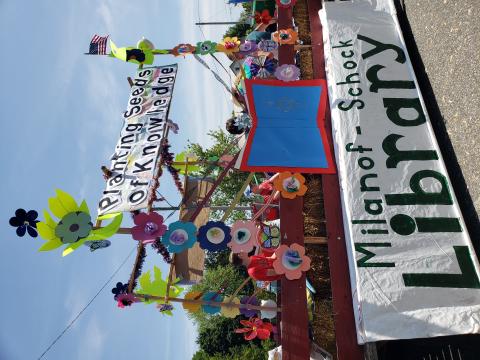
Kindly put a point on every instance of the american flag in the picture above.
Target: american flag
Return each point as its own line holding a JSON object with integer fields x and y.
{"x": 98, "y": 45}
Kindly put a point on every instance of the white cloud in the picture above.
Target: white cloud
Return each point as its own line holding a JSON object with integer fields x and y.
{"x": 92, "y": 341}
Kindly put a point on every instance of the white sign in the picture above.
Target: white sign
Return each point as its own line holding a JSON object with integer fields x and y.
{"x": 413, "y": 269}
{"x": 134, "y": 162}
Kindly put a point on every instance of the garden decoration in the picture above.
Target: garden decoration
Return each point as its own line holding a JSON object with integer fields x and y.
{"x": 126, "y": 300}
{"x": 263, "y": 17}
{"x": 157, "y": 288}
{"x": 186, "y": 163}
{"x": 194, "y": 306}
{"x": 212, "y": 296}
{"x": 229, "y": 45}
{"x": 267, "y": 45}
{"x": 243, "y": 121}
{"x": 287, "y": 72}
{"x": 247, "y": 47}
{"x": 290, "y": 185}
{"x": 95, "y": 245}
{"x": 214, "y": 236}
{"x": 269, "y": 237}
{"x": 291, "y": 261}
{"x": 249, "y": 300}
{"x": 25, "y": 222}
{"x": 268, "y": 314}
{"x": 255, "y": 328}
{"x": 230, "y": 311}
{"x": 206, "y": 47}
{"x": 183, "y": 49}
{"x": 180, "y": 236}
{"x": 74, "y": 226}
{"x": 285, "y": 36}
{"x": 148, "y": 227}
{"x": 262, "y": 66}
{"x": 286, "y": 3}
{"x": 244, "y": 236}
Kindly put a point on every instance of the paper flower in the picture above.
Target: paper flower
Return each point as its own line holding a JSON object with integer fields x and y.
{"x": 95, "y": 245}
{"x": 244, "y": 236}
{"x": 75, "y": 225}
{"x": 189, "y": 306}
{"x": 214, "y": 236}
{"x": 124, "y": 300}
{"x": 291, "y": 261}
{"x": 285, "y": 36}
{"x": 255, "y": 327}
{"x": 25, "y": 221}
{"x": 267, "y": 45}
{"x": 269, "y": 237}
{"x": 268, "y": 314}
{"x": 211, "y": 296}
{"x": 290, "y": 185}
{"x": 248, "y": 47}
{"x": 230, "y": 311}
{"x": 180, "y": 236}
{"x": 263, "y": 18}
{"x": 165, "y": 308}
{"x": 183, "y": 49}
{"x": 251, "y": 300}
{"x": 119, "y": 289}
{"x": 243, "y": 121}
{"x": 286, "y": 3}
{"x": 262, "y": 66}
{"x": 229, "y": 45}
{"x": 206, "y": 47}
{"x": 148, "y": 227}
{"x": 287, "y": 72}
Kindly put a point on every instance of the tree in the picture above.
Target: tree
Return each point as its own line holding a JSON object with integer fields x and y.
{"x": 248, "y": 351}
{"x": 242, "y": 29}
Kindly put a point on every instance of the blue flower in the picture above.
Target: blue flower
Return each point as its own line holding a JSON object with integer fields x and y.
{"x": 25, "y": 221}
{"x": 214, "y": 236}
{"x": 179, "y": 236}
{"x": 212, "y": 296}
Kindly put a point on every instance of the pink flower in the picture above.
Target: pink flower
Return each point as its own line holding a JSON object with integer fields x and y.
{"x": 148, "y": 227}
{"x": 244, "y": 236}
{"x": 126, "y": 300}
{"x": 291, "y": 261}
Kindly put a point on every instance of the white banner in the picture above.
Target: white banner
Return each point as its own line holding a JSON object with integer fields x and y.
{"x": 413, "y": 269}
{"x": 135, "y": 159}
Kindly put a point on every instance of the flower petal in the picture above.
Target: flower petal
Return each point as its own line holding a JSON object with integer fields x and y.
{"x": 241, "y": 331}
{"x": 48, "y": 220}
{"x": 252, "y": 335}
{"x": 32, "y": 215}
{"x": 32, "y": 231}
{"x": 263, "y": 334}
{"x": 51, "y": 245}
{"x": 84, "y": 207}
{"x": 57, "y": 208}
{"x": 45, "y": 231}
{"x": 15, "y": 221}
{"x": 107, "y": 231}
{"x": 21, "y": 230}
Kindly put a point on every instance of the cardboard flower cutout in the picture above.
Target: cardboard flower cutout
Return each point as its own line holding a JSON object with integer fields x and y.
{"x": 132, "y": 54}
{"x": 255, "y": 328}
{"x": 148, "y": 227}
{"x": 206, "y": 47}
{"x": 75, "y": 224}
{"x": 268, "y": 314}
{"x": 25, "y": 222}
{"x": 290, "y": 185}
{"x": 267, "y": 45}
{"x": 291, "y": 261}
{"x": 214, "y": 297}
{"x": 192, "y": 307}
{"x": 229, "y": 45}
{"x": 251, "y": 300}
{"x": 287, "y": 72}
{"x": 183, "y": 49}
{"x": 214, "y": 236}
{"x": 263, "y": 17}
{"x": 180, "y": 236}
{"x": 244, "y": 236}
{"x": 285, "y": 36}
{"x": 230, "y": 311}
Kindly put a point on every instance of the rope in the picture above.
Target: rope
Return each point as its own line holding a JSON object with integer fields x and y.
{"x": 237, "y": 197}
{"x": 86, "y": 306}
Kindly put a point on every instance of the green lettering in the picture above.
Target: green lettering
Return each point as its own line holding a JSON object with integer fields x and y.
{"x": 394, "y": 105}
{"x": 389, "y": 146}
{"x": 372, "y": 76}
{"x": 363, "y": 262}
{"x": 379, "y": 47}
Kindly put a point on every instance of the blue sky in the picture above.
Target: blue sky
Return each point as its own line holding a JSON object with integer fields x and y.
{"x": 60, "y": 118}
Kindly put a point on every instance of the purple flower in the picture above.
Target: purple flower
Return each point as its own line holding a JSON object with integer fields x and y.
{"x": 287, "y": 72}
{"x": 252, "y": 300}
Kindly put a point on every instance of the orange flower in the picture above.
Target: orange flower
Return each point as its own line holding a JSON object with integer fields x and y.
{"x": 183, "y": 49}
{"x": 229, "y": 45}
{"x": 285, "y": 36}
{"x": 291, "y": 261}
{"x": 290, "y": 185}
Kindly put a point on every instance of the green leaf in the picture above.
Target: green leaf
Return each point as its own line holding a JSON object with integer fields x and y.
{"x": 84, "y": 207}
{"x": 72, "y": 247}
{"x": 67, "y": 201}
{"x": 108, "y": 216}
{"x": 56, "y": 207}
{"x": 107, "y": 231}
{"x": 45, "y": 231}
{"x": 48, "y": 220}
{"x": 51, "y": 245}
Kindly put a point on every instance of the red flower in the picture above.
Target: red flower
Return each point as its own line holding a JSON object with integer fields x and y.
{"x": 255, "y": 327}
{"x": 263, "y": 17}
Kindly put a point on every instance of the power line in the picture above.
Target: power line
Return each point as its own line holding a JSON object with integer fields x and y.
{"x": 86, "y": 306}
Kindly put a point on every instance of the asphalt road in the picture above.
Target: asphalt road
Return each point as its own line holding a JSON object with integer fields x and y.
{"x": 443, "y": 39}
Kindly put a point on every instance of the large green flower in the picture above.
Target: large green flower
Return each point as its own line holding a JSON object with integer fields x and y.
{"x": 75, "y": 225}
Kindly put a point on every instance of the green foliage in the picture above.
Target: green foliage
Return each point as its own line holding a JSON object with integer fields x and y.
{"x": 216, "y": 258}
{"x": 231, "y": 184}
{"x": 250, "y": 351}
{"x": 241, "y": 30}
